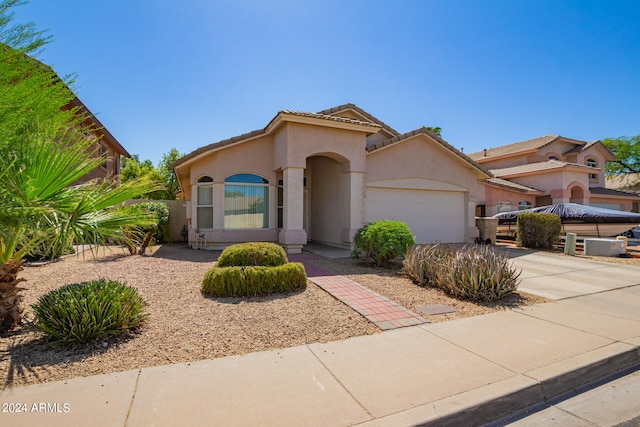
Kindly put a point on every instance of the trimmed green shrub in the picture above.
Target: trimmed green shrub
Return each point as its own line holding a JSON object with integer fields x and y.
{"x": 253, "y": 254}
{"x": 82, "y": 312}
{"x": 238, "y": 281}
{"x": 477, "y": 273}
{"x": 538, "y": 230}
{"x": 381, "y": 241}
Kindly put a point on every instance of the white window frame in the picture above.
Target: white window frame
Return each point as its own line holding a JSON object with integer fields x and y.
{"x": 204, "y": 182}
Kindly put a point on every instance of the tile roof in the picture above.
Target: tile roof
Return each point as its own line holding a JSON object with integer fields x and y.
{"x": 537, "y": 167}
{"x": 349, "y": 106}
{"x": 442, "y": 142}
{"x": 516, "y": 147}
{"x": 611, "y": 192}
{"x": 509, "y": 185}
{"x": 330, "y": 117}
{"x": 259, "y": 132}
{"x": 624, "y": 181}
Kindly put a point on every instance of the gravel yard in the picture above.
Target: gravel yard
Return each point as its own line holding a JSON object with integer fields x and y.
{"x": 186, "y": 326}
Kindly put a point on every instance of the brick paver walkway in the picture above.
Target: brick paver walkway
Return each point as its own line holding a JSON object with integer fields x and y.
{"x": 386, "y": 314}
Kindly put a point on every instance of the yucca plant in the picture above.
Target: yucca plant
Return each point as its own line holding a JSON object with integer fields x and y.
{"x": 478, "y": 273}
{"x": 423, "y": 262}
{"x": 83, "y": 312}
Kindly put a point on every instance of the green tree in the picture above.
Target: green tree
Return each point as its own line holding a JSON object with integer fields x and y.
{"x": 133, "y": 168}
{"x": 43, "y": 151}
{"x": 435, "y": 129}
{"x": 627, "y": 152}
{"x": 165, "y": 170}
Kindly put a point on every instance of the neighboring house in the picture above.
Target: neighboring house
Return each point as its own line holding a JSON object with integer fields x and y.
{"x": 627, "y": 182}
{"x": 321, "y": 176}
{"x": 544, "y": 171}
{"x": 106, "y": 144}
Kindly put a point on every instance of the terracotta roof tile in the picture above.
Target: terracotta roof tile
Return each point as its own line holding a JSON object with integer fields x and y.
{"x": 503, "y": 183}
{"x": 330, "y": 117}
{"x": 516, "y": 147}
{"x": 536, "y": 167}
{"x": 371, "y": 118}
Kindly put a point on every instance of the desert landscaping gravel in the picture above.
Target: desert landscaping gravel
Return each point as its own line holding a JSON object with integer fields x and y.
{"x": 185, "y": 326}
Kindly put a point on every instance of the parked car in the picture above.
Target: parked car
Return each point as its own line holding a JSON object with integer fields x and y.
{"x": 633, "y": 233}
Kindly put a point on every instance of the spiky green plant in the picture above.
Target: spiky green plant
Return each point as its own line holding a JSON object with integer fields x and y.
{"x": 44, "y": 150}
{"x": 83, "y": 312}
{"x": 478, "y": 273}
{"x": 422, "y": 263}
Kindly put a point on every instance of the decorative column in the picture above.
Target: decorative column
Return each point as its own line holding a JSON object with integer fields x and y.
{"x": 293, "y": 236}
{"x": 354, "y": 183}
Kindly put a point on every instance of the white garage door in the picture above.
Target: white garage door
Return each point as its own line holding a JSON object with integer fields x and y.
{"x": 431, "y": 215}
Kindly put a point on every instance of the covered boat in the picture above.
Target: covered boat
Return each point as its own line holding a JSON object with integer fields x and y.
{"x": 580, "y": 219}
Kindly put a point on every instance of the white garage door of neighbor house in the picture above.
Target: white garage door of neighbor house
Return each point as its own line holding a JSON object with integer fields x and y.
{"x": 431, "y": 215}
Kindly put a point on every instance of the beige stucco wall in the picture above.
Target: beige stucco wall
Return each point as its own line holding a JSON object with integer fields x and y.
{"x": 426, "y": 163}
{"x": 495, "y": 195}
{"x": 294, "y": 142}
{"x": 419, "y": 157}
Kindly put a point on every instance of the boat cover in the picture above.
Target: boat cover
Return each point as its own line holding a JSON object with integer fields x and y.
{"x": 573, "y": 213}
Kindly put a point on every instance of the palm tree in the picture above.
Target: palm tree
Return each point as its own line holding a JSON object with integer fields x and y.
{"x": 40, "y": 205}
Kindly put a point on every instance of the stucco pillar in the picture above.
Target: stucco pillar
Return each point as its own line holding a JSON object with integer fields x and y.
{"x": 218, "y": 206}
{"x": 354, "y": 183}
{"x": 560, "y": 196}
{"x": 293, "y": 235}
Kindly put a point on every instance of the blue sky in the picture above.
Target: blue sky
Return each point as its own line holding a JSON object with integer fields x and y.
{"x": 162, "y": 74}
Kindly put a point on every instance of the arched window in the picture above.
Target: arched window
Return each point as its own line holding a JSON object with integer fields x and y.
{"x": 524, "y": 205}
{"x": 204, "y": 202}
{"x": 504, "y": 206}
{"x": 246, "y": 201}
{"x": 592, "y": 164}
{"x": 552, "y": 157}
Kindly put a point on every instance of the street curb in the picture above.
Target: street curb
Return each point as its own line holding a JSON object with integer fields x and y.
{"x": 498, "y": 400}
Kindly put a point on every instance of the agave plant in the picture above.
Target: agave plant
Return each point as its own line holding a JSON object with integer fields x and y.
{"x": 39, "y": 203}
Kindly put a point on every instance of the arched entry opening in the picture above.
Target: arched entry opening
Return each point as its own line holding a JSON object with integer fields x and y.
{"x": 327, "y": 199}
{"x": 577, "y": 195}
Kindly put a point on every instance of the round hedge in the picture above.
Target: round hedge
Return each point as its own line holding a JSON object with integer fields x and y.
{"x": 252, "y": 254}
{"x": 243, "y": 281}
{"x": 82, "y": 312}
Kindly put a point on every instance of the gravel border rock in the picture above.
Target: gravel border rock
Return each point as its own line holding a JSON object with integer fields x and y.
{"x": 185, "y": 326}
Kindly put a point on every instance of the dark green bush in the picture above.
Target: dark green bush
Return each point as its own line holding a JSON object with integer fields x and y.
{"x": 477, "y": 273}
{"x": 538, "y": 230}
{"x": 381, "y": 241}
{"x": 82, "y": 312}
{"x": 253, "y": 280}
{"x": 254, "y": 254}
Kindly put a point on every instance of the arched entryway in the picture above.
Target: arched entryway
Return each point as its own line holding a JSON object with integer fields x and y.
{"x": 577, "y": 195}
{"x": 327, "y": 199}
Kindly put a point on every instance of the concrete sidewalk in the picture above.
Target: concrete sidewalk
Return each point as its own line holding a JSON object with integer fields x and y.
{"x": 467, "y": 371}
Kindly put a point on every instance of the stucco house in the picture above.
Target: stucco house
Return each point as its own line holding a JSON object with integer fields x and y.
{"x": 320, "y": 176}
{"x": 547, "y": 170}
{"x": 106, "y": 145}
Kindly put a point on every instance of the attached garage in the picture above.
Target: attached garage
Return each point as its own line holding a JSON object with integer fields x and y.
{"x": 432, "y": 215}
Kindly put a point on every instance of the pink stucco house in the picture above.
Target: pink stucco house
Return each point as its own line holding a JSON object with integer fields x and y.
{"x": 547, "y": 170}
{"x": 320, "y": 176}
